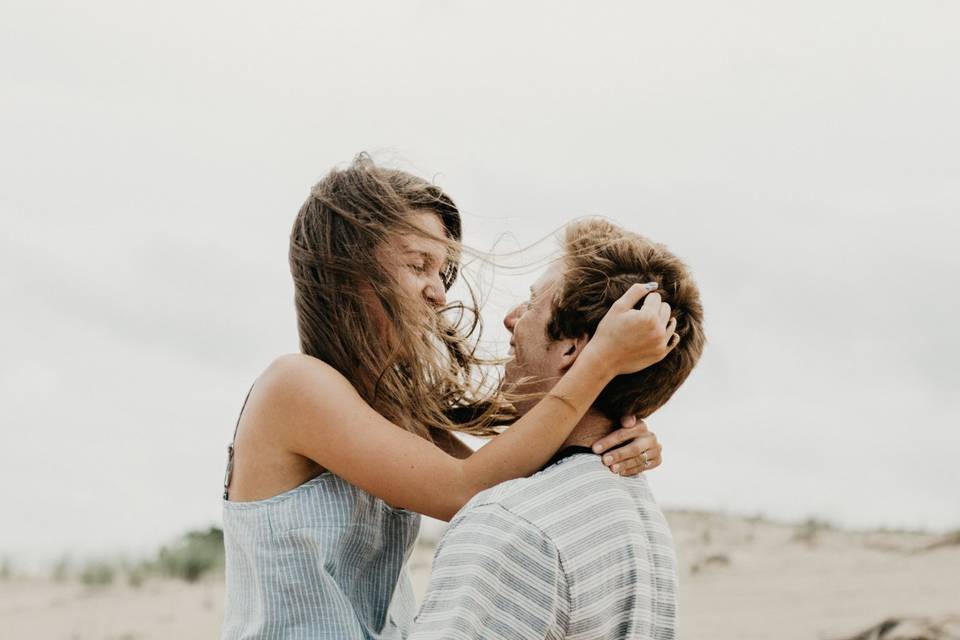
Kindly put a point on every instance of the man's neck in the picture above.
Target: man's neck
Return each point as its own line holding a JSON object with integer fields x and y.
{"x": 592, "y": 426}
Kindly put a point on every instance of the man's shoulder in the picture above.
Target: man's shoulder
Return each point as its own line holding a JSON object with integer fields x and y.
{"x": 488, "y": 529}
{"x": 577, "y": 531}
{"x": 549, "y": 498}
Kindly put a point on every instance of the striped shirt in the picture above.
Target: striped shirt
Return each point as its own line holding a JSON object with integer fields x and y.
{"x": 573, "y": 551}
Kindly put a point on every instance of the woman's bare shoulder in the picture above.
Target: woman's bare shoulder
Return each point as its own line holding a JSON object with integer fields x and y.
{"x": 294, "y": 392}
{"x": 265, "y": 462}
{"x": 295, "y": 380}
{"x": 295, "y": 369}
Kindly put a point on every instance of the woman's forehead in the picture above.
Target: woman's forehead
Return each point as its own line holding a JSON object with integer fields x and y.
{"x": 429, "y": 223}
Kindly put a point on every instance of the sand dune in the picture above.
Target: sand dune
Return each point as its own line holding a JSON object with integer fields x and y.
{"x": 912, "y": 629}
{"x": 743, "y": 579}
{"x": 740, "y": 579}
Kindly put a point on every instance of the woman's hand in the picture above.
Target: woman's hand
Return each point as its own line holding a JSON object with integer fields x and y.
{"x": 629, "y": 339}
{"x": 640, "y": 454}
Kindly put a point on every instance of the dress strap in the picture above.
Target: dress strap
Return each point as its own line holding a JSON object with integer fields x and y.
{"x": 229, "y": 472}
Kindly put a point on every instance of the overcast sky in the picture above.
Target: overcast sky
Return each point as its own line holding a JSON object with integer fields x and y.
{"x": 801, "y": 157}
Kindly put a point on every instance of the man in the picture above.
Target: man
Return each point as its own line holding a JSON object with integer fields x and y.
{"x": 572, "y": 551}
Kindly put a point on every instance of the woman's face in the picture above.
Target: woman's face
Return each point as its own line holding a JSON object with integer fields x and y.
{"x": 417, "y": 262}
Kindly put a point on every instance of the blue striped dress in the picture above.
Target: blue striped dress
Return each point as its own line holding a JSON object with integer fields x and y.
{"x": 323, "y": 560}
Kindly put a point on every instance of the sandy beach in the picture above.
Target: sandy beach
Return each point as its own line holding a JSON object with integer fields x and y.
{"x": 741, "y": 579}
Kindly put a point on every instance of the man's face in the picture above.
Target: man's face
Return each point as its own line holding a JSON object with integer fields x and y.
{"x": 534, "y": 354}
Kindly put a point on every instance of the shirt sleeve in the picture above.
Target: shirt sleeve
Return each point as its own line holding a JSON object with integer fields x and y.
{"x": 496, "y": 577}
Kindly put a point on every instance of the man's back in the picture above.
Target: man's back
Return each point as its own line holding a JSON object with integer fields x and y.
{"x": 571, "y": 552}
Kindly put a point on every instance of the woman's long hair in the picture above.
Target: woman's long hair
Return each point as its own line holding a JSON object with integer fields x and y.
{"x": 426, "y": 374}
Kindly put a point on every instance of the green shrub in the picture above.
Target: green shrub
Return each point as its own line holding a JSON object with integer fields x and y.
{"x": 97, "y": 574}
{"x": 195, "y": 554}
{"x": 6, "y": 569}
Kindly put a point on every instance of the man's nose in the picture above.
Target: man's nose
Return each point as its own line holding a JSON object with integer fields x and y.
{"x": 510, "y": 320}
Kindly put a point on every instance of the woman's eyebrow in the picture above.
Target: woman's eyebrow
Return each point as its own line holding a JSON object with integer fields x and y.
{"x": 426, "y": 255}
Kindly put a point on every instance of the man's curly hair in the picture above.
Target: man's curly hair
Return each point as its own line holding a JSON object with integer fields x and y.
{"x": 601, "y": 261}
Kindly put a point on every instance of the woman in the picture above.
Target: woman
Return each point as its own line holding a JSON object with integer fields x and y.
{"x": 339, "y": 448}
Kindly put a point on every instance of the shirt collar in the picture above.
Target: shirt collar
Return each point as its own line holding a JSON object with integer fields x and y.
{"x": 566, "y": 452}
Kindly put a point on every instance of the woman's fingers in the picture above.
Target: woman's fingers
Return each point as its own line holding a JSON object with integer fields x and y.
{"x": 673, "y": 338}
{"x": 636, "y": 467}
{"x": 651, "y": 304}
{"x": 630, "y": 339}
{"x": 633, "y": 295}
{"x": 671, "y": 326}
{"x": 645, "y": 446}
{"x": 620, "y": 435}
{"x": 629, "y": 469}
{"x": 664, "y": 312}
{"x": 674, "y": 341}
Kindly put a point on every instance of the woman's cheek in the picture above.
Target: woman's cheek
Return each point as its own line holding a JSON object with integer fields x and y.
{"x": 410, "y": 285}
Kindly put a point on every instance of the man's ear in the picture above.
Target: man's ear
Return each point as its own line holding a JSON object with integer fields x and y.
{"x": 571, "y": 350}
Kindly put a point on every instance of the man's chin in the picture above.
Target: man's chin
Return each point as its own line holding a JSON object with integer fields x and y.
{"x": 515, "y": 379}
{"x": 509, "y": 379}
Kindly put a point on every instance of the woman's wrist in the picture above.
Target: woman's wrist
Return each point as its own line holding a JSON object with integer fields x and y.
{"x": 596, "y": 364}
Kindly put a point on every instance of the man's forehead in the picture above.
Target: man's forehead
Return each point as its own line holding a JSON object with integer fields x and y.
{"x": 547, "y": 280}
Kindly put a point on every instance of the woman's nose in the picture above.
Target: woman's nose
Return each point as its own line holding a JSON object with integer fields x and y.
{"x": 435, "y": 294}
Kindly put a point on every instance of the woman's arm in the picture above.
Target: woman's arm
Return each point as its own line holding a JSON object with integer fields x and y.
{"x": 319, "y": 415}
{"x": 630, "y": 450}
{"x": 450, "y": 444}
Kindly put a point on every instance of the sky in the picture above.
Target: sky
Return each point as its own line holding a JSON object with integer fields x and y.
{"x": 800, "y": 157}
